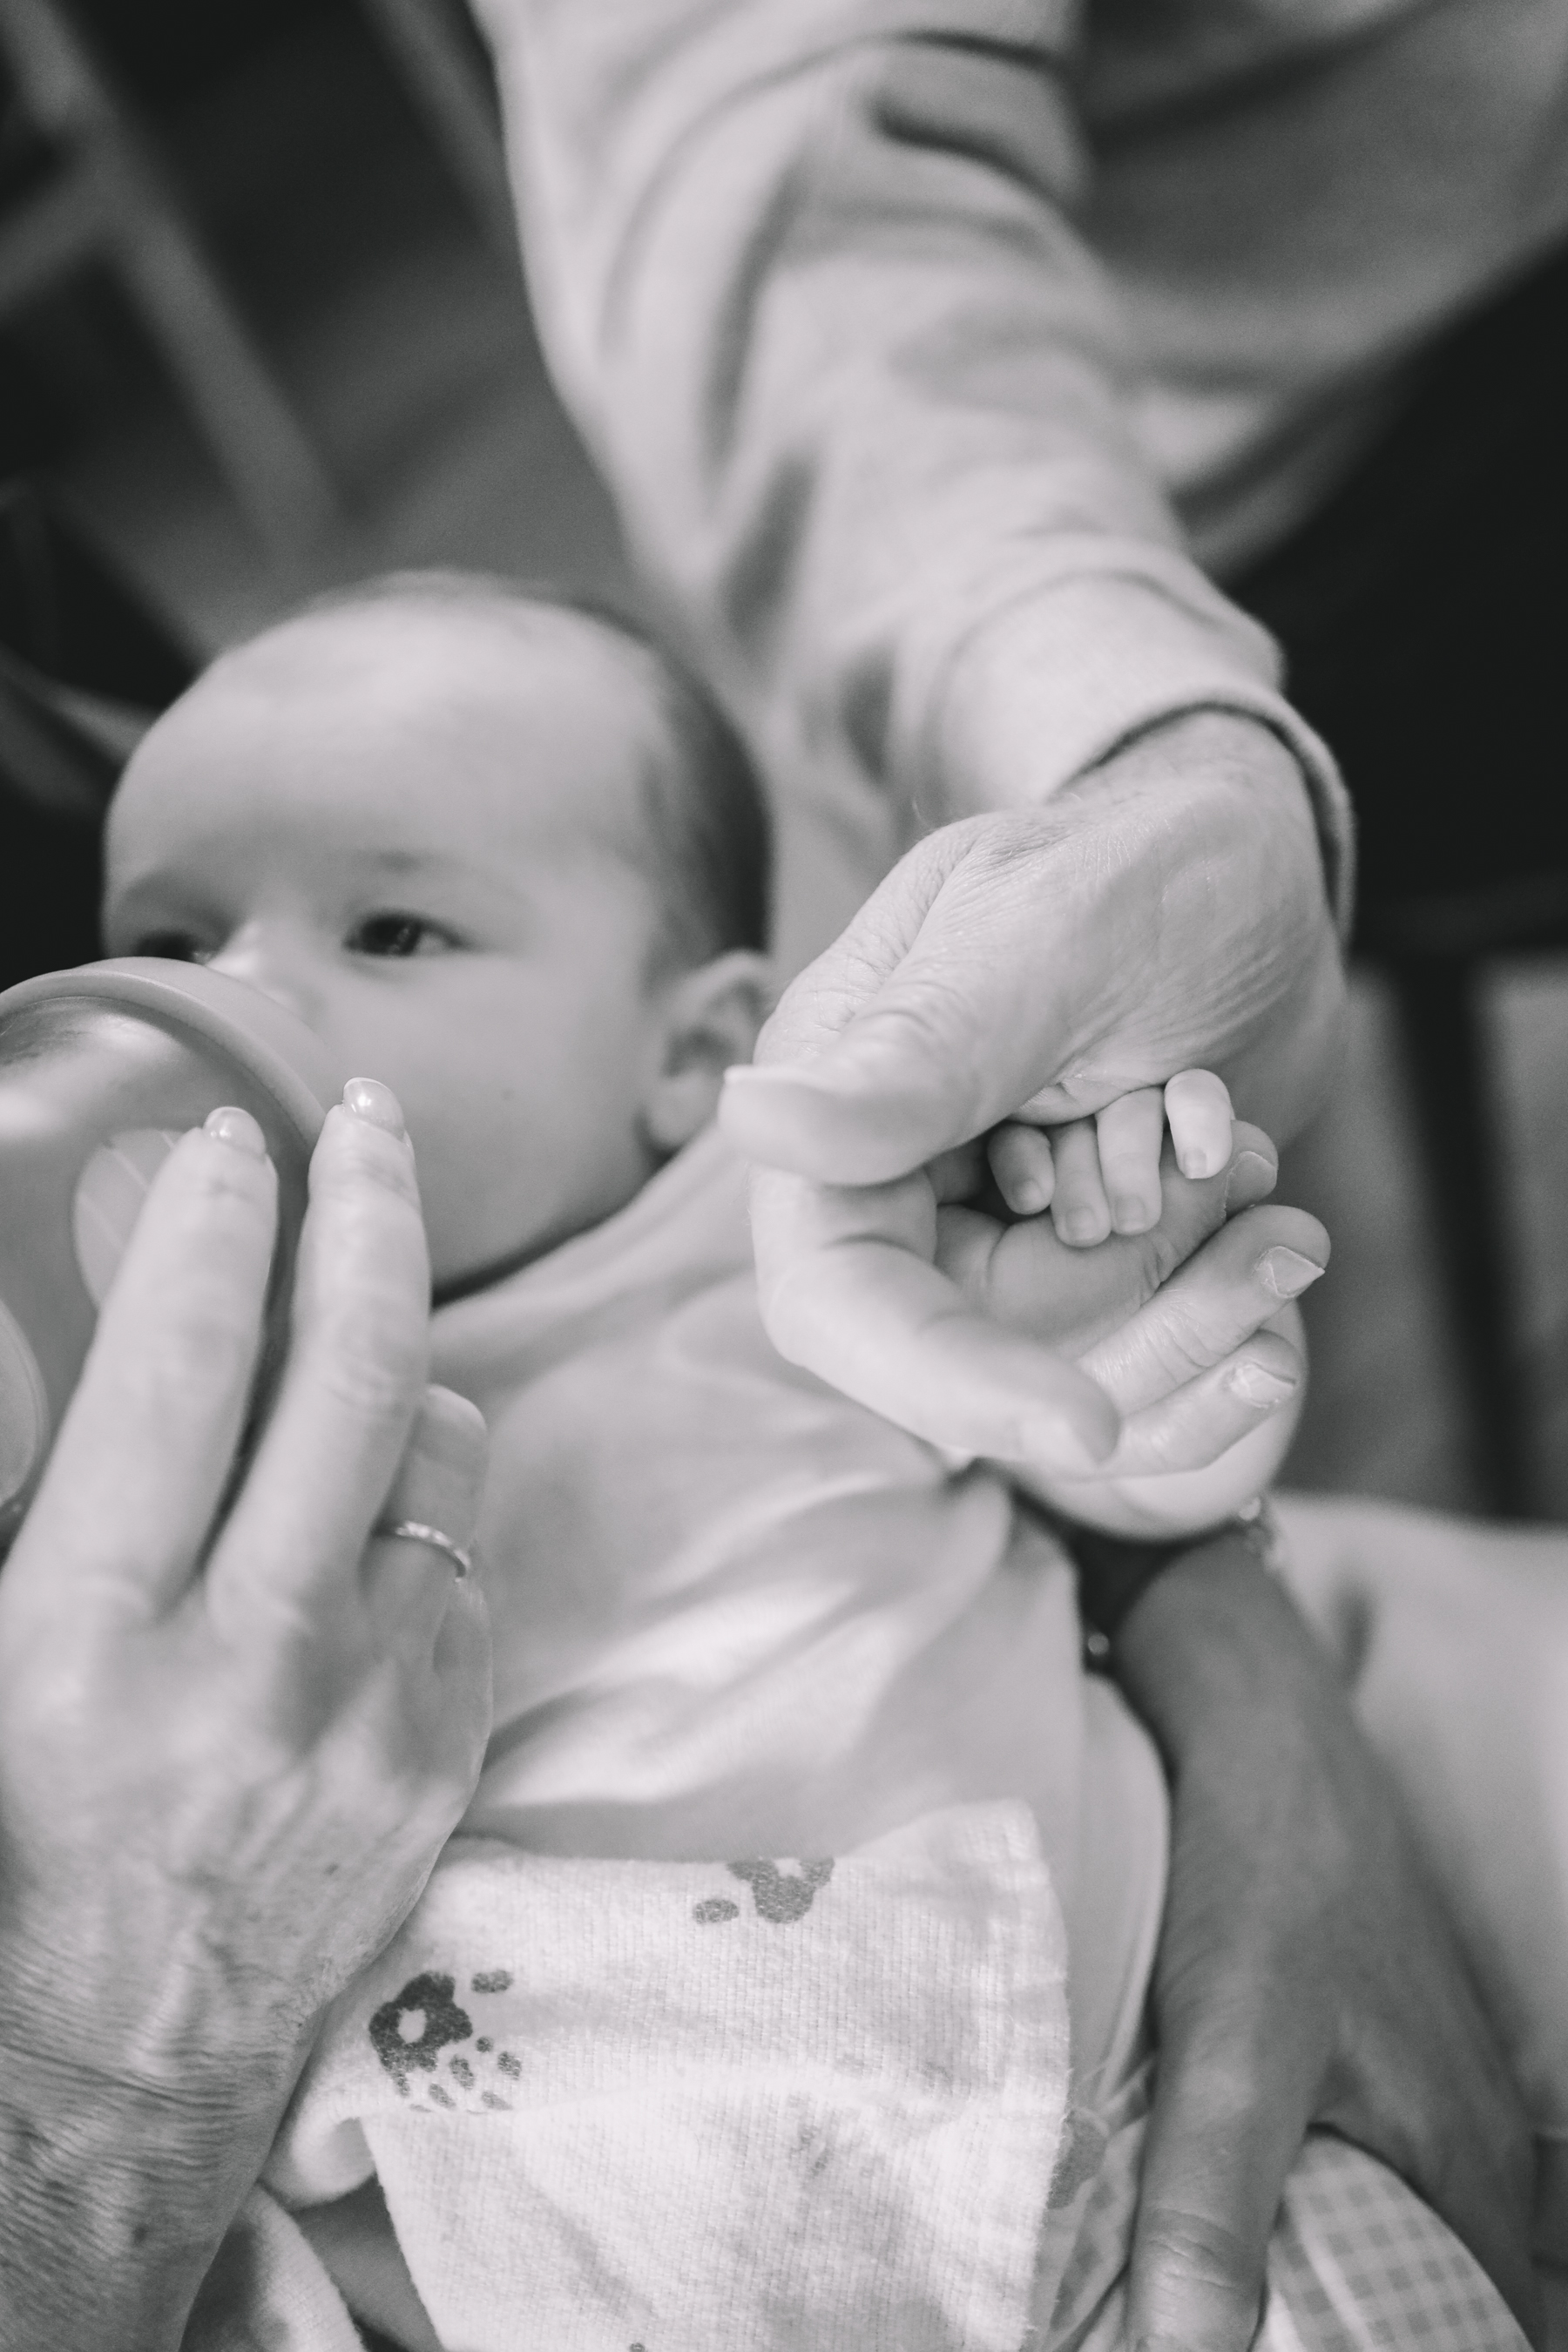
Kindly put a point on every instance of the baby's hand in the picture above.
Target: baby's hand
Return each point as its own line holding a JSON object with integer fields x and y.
{"x": 1101, "y": 1175}
{"x": 1210, "y": 1276}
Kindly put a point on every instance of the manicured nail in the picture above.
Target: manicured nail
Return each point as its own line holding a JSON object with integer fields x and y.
{"x": 1254, "y": 1384}
{"x": 1253, "y": 1166}
{"x": 230, "y": 1125}
{"x": 1287, "y": 1273}
{"x": 369, "y": 1099}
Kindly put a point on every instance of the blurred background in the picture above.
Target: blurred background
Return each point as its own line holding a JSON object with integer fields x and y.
{"x": 263, "y": 329}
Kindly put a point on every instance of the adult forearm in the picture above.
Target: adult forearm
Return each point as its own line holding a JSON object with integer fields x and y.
{"x": 1306, "y": 1972}
{"x": 809, "y": 277}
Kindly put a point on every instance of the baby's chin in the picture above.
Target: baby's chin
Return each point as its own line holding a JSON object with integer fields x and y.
{"x": 464, "y": 1260}
{"x": 462, "y": 1277}
{"x": 459, "y": 1273}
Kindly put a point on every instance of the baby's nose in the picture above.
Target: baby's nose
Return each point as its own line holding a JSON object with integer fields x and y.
{"x": 261, "y": 962}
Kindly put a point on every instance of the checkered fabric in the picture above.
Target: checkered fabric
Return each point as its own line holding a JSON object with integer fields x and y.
{"x": 1357, "y": 2264}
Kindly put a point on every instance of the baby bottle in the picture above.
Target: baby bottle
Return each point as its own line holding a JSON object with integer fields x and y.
{"x": 102, "y": 1068}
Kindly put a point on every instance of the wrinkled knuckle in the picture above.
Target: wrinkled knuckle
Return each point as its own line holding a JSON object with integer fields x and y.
{"x": 917, "y": 1026}
{"x": 1200, "y": 2285}
{"x": 1196, "y": 2247}
{"x": 1183, "y": 1347}
{"x": 370, "y": 1365}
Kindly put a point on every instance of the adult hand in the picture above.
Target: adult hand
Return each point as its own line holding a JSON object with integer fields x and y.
{"x": 1306, "y": 1973}
{"x": 230, "y": 1753}
{"x": 1169, "y": 910}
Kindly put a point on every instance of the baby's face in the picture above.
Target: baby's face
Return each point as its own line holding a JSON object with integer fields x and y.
{"x": 420, "y": 831}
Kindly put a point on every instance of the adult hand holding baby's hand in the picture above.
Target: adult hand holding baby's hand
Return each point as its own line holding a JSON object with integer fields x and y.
{"x": 936, "y": 1306}
{"x": 1044, "y": 961}
{"x": 1186, "y": 1327}
{"x": 228, "y": 1759}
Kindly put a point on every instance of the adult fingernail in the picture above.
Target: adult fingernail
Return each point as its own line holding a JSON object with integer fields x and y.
{"x": 1287, "y": 1273}
{"x": 1255, "y": 1384}
{"x": 1252, "y": 1169}
{"x": 228, "y": 1124}
{"x": 369, "y": 1099}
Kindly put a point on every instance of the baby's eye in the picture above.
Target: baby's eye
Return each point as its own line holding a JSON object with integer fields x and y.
{"x": 396, "y": 934}
{"x": 178, "y": 947}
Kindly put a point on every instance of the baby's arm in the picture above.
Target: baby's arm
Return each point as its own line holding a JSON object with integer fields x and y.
{"x": 1165, "y": 1191}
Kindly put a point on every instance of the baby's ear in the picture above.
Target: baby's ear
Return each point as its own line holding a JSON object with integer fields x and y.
{"x": 710, "y": 1020}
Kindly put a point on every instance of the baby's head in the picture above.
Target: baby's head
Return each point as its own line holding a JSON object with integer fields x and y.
{"x": 494, "y": 849}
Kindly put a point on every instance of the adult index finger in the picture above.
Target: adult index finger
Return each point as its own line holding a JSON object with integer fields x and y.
{"x": 351, "y": 1386}
{"x": 143, "y": 1451}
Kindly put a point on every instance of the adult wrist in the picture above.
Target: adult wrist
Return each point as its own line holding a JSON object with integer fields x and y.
{"x": 1116, "y": 1573}
{"x": 1111, "y": 648}
{"x": 1211, "y": 1639}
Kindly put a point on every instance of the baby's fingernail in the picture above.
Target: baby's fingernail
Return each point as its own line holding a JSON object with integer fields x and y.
{"x": 1132, "y": 1214}
{"x": 1252, "y": 1167}
{"x": 1255, "y": 1384}
{"x": 1199, "y": 1163}
{"x": 228, "y": 1124}
{"x": 1080, "y": 1226}
{"x": 1287, "y": 1273}
{"x": 1028, "y": 1200}
{"x": 369, "y": 1099}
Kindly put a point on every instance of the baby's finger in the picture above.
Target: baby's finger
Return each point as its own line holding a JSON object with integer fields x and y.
{"x": 1236, "y": 1284}
{"x": 407, "y": 1577}
{"x": 1022, "y": 1163}
{"x": 143, "y": 1453}
{"x": 1198, "y": 1107}
{"x": 1079, "y": 1210}
{"x": 1130, "y": 1131}
{"x": 351, "y": 1386}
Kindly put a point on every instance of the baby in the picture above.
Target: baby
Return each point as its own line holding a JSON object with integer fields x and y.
{"x": 497, "y": 851}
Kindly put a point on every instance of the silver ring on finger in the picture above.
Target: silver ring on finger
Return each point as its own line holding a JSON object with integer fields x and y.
{"x": 436, "y": 1538}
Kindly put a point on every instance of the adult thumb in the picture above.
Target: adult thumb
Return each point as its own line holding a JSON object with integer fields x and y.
{"x": 1214, "y": 2170}
{"x": 885, "y": 1097}
{"x": 934, "y": 1016}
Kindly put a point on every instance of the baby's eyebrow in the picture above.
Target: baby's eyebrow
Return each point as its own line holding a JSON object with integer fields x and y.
{"x": 406, "y": 861}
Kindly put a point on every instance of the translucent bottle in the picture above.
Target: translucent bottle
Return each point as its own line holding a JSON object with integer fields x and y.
{"x": 102, "y": 1068}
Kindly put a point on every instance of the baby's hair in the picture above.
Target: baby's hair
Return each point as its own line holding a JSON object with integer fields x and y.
{"x": 706, "y": 817}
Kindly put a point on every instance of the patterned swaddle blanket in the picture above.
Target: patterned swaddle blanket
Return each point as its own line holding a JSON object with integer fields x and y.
{"x": 788, "y": 2106}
